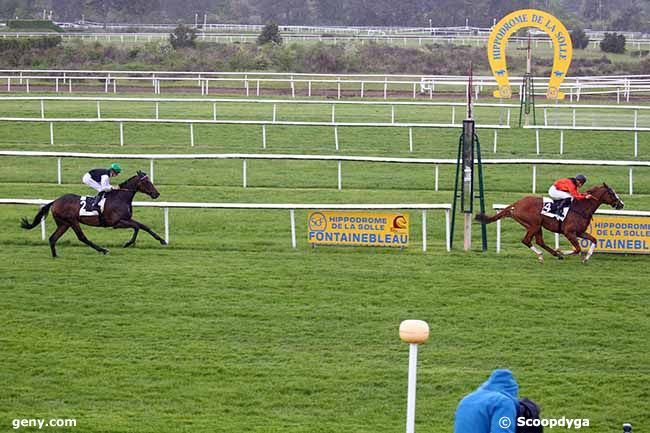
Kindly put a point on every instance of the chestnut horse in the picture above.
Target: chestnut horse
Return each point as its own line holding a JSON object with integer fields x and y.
{"x": 117, "y": 213}
{"x": 527, "y": 212}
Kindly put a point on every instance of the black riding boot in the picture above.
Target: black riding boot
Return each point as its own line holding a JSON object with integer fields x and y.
{"x": 99, "y": 198}
{"x": 564, "y": 203}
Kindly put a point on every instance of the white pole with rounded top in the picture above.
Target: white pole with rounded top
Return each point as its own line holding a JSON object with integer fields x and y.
{"x": 413, "y": 332}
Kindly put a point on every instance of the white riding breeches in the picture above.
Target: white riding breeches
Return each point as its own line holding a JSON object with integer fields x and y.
{"x": 88, "y": 180}
{"x": 556, "y": 194}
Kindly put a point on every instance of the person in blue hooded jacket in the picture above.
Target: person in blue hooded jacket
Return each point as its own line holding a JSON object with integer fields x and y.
{"x": 492, "y": 408}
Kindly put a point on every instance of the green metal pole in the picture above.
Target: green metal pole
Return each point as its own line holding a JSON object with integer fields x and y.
{"x": 453, "y": 213}
{"x": 481, "y": 192}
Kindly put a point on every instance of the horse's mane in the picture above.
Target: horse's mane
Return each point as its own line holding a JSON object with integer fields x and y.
{"x": 594, "y": 189}
{"x": 128, "y": 181}
{"x": 140, "y": 175}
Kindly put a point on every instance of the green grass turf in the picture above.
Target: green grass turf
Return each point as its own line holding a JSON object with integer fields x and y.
{"x": 229, "y": 329}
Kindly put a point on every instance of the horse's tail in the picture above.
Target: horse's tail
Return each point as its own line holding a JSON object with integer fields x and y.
{"x": 485, "y": 219}
{"x": 24, "y": 222}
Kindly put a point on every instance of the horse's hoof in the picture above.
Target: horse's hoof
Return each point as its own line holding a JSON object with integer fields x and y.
{"x": 163, "y": 242}
{"x": 105, "y": 251}
{"x": 540, "y": 259}
{"x": 560, "y": 257}
{"x": 128, "y": 244}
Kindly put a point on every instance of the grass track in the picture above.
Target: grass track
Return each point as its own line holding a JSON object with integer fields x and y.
{"x": 230, "y": 330}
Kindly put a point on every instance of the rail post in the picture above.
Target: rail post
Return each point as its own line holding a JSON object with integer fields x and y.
{"x": 292, "y": 214}
{"x": 166, "y": 219}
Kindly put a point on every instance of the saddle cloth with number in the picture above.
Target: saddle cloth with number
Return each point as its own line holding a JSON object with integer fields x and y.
{"x": 550, "y": 208}
{"x": 87, "y": 205}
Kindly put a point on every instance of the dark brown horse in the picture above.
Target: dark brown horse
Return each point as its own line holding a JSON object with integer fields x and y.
{"x": 117, "y": 213}
{"x": 527, "y": 212}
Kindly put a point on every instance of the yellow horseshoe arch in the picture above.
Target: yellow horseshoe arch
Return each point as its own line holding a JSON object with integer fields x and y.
{"x": 498, "y": 41}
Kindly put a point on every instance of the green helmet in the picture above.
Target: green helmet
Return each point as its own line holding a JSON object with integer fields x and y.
{"x": 116, "y": 167}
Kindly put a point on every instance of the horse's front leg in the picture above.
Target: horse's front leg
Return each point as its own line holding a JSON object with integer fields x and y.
{"x": 148, "y": 230}
{"x": 592, "y": 247}
{"x": 571, "y": 236}
{"x": 128, "y": 224}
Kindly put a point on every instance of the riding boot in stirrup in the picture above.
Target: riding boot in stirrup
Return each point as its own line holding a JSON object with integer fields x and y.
{"x": 97, "y": 200}
{"x": 564, "y": 203}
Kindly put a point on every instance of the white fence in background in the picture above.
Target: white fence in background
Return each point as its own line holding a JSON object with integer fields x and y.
{"x": 263, "y": 123}
{"x": 632, "y": 115}
{"x": 553, "y": 114}
{"x": 61, "y": 80}
{"x": 498, "y": 207}
{"x": 419, "y": 38}
{"x": 562, "y": 129}
{"x": 201, "y": 22}
{"x": 406, "y": 40}
{"x": 557, "y": 115}
{"x": 291, "y": 207}
{"x": 274, "y": 104}
{"x": 245, "y": 157}
{"x": 273, "y": 115}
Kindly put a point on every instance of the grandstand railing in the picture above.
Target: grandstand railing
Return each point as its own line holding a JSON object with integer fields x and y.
{"x": 339, "y": 158}
{"x": 291, "y": 207}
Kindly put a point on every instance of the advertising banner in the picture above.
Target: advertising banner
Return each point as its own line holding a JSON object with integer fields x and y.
{"x": 619, "y": 234}
{"x": 358, "y": 228}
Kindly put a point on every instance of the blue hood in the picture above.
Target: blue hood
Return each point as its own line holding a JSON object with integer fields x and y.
{"x": 502, "y": 381}
{"x": 490, "y": 406}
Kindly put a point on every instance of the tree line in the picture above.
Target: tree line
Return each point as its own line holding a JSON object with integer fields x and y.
{"x": 632, "y": 15}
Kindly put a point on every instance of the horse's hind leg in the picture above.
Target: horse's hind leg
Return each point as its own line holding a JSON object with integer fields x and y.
{"x": 60, "y": 230}
{"x": 539, "y": 238}
{"x": 82, "y": 237}
{"x": 527, "y": 241}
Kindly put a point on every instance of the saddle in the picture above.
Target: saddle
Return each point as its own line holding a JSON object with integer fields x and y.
{"x": 557, "y": 209}
{"x": 89, "y": 207}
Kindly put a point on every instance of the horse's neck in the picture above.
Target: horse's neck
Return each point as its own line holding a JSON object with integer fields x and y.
{"x": 589, "y": 206}
{"x": 125, "y": 194}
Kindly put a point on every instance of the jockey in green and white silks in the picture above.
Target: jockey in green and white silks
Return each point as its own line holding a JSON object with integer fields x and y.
{"x": 99, "y": 180}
